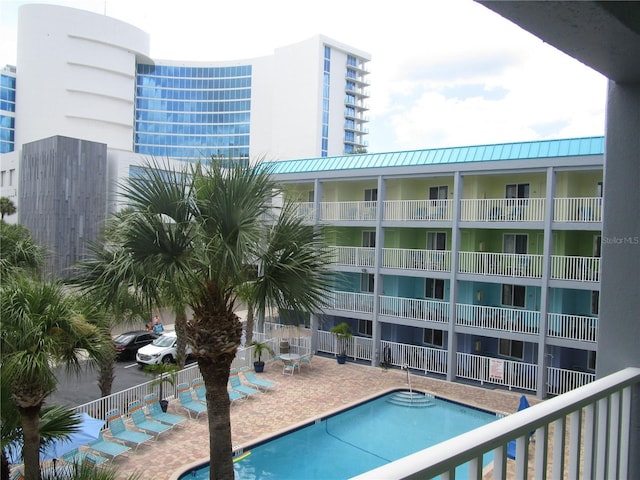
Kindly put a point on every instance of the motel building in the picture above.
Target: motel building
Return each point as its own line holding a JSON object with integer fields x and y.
{"x": 469, "y": 263}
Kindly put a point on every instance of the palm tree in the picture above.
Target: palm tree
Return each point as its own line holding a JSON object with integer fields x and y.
{"x": 19, "y": 253}
{"x": 193, "y": 233}
{"x": 41, "y": 327}
{"x": 7, "y": 207}
{"x": 118, "y": 306}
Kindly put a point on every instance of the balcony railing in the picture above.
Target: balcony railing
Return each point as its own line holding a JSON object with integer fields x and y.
{"x": 502, "y": 210}
{"x": 582, "y": 434}
{"x": 348, "y": 210}
{"x": 415, "y": 308}
{"x": 416, "y": 357}
{"x": 581, "y": 210}
{"x": 409, "y": 259}
{"x": 572, "y": 327}
{"x": 505, "y": 264}
{"x": 353, "y": 256}
{"x": 350, "y": 302}
{"x": 418, "y": 210}
{"x": 305, "y": 210}
{"x": 581, "y": 269}
{"x": 498, "y": 318}
{"x": 508, "y": 373}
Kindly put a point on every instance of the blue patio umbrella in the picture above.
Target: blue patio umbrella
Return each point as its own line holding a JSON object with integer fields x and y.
{"x": 511, "y": 446}
{"x": 87, "y": 431}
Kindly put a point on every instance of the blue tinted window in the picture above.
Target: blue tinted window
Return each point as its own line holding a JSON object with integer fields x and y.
{"x": 191, "y": 112}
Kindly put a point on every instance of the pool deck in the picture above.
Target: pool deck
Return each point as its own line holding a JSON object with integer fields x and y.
{"x": 296, "y": 399}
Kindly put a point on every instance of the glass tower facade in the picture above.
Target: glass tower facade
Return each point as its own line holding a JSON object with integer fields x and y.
{"x": 190, "y": 112}
{"x": 7, "y": 111}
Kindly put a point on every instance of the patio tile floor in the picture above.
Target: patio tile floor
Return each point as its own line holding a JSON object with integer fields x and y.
{"x": 297, "y": 399}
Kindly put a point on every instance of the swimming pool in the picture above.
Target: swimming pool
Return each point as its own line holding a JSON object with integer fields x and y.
{"x": 355, "y": 441}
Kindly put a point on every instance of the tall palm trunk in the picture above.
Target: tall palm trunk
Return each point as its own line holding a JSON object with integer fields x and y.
{"x": 30, "y": 418}
{"x": 181, "y": 333}
{"x": 249, "y": 325}
{"x": 216, "y": 375}
{"x": 105, "y": 377}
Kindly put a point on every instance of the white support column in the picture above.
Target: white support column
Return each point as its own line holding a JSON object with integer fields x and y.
{"x": 619, "y": 319}
{"x": 452, "y": 343}
{"x": 547, "y": 250}
{"x": 378, "y": 286}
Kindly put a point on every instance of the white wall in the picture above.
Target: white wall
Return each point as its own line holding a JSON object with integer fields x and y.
{"x": 76, "y": 74}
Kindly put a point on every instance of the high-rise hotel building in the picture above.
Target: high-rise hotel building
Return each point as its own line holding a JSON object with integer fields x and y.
{"x": 86, "y": 103}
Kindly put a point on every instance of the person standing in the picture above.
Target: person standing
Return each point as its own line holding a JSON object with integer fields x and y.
{"x": 157, "y": 325}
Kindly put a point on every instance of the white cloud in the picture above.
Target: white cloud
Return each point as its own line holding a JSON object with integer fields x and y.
{"x": 443, "y": 73}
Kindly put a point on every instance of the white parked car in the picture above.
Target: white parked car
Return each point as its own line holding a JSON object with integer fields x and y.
{"x": 161, "y": 350}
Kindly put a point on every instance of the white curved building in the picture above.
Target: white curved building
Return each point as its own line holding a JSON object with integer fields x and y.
{"x": 75, "y": 72}
{"x": 85, "y": 104}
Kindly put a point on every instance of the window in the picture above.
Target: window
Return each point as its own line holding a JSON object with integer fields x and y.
{"x": 511, "y": 348}
{"x": 311, "y": 197}
{"x": 2, "y": 175}
{"x": 434, "y": 288}
{"x": 517, "y": 190}
{"x": 514, "y": 295}
{"x": 515, "y": 243}
{"x": 591, "y": 360}
{"x": 367, "y": 282}
{"x": 597, "y": 246}
{"x": 369, "y": 239}
{"x": 433, "y": 337}
{"x": 599, "y": 190}
{"x": 371, "y": 195}
{"x": 439, "y": 193}
{"x": 595, "y": 302}
{"x": 11, "y": 174}
{"x": 365, "y": 327}
{"x": 436, "y": 240}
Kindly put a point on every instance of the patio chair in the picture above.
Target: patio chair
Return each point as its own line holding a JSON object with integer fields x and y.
{"x": 306, "y": 360}
{"x": 120, "y": 432}
{"x": 108, "y": 448}
{"x": 154, "y": 409}
{"x": 259, "y": 383}
{"x": 236, "y": 384}
{"x": 188, "y": 403}
{"x": 289, "y": 366}
{"x": 76, "y": 457}
{"x": 141, "y": 422}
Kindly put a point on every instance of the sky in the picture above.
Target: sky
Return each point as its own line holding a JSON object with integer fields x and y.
{"x": 443, "y": 72}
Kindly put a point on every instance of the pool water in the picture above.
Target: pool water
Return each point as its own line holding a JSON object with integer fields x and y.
{"x": 355, "y": 441}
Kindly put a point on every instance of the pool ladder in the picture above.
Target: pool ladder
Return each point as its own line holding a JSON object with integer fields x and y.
{"x": 411, "y": 398}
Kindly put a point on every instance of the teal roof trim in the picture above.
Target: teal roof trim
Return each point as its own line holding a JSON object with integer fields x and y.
{"x": 479, "y": 153}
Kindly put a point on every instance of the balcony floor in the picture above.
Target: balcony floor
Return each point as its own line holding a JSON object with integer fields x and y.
{"x": 308, "y": 394}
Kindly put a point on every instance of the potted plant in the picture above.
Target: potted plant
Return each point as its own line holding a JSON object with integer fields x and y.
{"x": 342, "y": 331}
{"x": 258, "y": 349}
{"x": 163, "y": 373}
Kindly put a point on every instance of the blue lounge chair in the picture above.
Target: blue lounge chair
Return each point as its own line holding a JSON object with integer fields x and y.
{"x": 236, "y": 384}
{"x": 141, "y": 422}
{"x": 108, "y": 448}
{"x": 188, "y": 403}
{"x": 154, "y": 409}
{"x": 76, "y": 457}
{"x": 197, "y": 384}
{"x": 120, "y": 432}
{"x": 259, "y": 383}
{"x": 234, "y": 396}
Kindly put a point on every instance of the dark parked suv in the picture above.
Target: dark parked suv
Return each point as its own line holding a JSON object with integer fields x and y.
{"x": 128, "y": 343}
